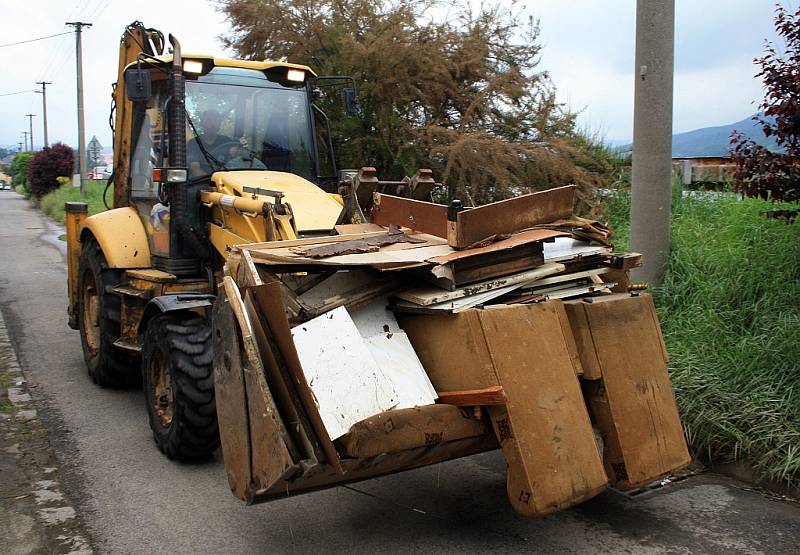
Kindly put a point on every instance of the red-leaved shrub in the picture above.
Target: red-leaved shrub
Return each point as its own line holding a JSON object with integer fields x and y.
{"x": 48, "y": 164}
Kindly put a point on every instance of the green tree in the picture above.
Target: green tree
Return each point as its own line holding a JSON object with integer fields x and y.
{"x": 460, "y": 93}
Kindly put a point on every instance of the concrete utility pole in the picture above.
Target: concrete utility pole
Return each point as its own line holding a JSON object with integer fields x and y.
{"x": 20, "y": 146}
{"x": 652, "y": 137}
{"x": 25, "y": 134}
{"x": 79, "y": 63}
{"x": 43, "y": 92}
{"x": 30, "y": 127}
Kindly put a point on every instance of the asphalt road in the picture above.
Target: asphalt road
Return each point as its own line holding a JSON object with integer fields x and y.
{"x": 133, "y": 500}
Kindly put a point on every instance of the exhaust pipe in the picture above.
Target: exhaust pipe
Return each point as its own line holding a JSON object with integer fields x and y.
{"x": 177, "y": 154}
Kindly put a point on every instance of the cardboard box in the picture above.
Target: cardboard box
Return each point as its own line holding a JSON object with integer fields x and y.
{"x": 632, "y": 402}
{"x": 544, "y": 430}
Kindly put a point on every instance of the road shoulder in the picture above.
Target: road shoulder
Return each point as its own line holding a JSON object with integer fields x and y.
{"x": 35, "y": 515}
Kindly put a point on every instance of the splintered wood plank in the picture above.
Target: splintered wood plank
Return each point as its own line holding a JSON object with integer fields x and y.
{"x": 269, "y": 299}
{"x": 247, "y": 273}
{"x": 508, "y": 216}
{"x": 426, "y": 217}
{"x": 231, "y": 399}
{"x": 270, "y": 455}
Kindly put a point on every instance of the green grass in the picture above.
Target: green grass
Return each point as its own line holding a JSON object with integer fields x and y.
{"x": 52, "y": 203}
{"x": 730, "y": 311}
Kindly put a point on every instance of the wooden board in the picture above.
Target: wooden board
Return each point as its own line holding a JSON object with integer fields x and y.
{"x": 472, "y": 397}
{"x": 582, "y": 334}
{"x": 544, "y": 429}
{"x": 426, "y": 217}
{"x": 269, "y": 299}
{"x": 433, "y": 295}
{"x": 633, "y": 402}
{"x": 508, "y": 216}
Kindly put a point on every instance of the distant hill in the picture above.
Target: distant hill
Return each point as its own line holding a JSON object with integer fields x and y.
{"x": 714, "y": 141}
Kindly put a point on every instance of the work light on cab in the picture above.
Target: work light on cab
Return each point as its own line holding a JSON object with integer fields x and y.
{"x": 296, "y": 75}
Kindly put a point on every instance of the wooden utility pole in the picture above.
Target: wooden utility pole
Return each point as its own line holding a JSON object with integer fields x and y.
{"x": 652, "y": 137}
{"x": 79, "y": 69}
{"x": 30, "y": 127}
{"x": 43, "y": 92}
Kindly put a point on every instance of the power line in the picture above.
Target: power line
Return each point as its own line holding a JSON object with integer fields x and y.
{"x": 11, "y": 94}
{"x": 34, "y": 40}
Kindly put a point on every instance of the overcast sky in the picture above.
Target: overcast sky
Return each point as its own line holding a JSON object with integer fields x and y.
{"x": 588, "y": 49}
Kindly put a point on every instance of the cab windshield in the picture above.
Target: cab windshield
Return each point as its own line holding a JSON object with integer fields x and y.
{"x": 240, "y": 119}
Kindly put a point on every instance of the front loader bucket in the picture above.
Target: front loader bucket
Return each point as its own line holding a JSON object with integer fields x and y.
{"x": 575, "y": 392}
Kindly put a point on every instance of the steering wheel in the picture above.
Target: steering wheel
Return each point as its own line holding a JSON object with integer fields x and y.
{"x": 222, "y": 151}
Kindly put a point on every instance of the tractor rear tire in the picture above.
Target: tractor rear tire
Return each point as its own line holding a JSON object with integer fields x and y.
{"x": 99, "y": 315}
{"x": 178, "y": 381}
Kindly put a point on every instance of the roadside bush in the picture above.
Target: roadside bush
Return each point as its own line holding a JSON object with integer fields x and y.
{"x": 47, "y": 165}
{"x": 19, "y": 169}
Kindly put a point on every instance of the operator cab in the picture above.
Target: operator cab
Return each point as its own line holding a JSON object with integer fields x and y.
{"x": 237, "y": 118}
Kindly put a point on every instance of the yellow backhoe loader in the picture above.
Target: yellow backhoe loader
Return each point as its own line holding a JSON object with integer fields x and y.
{"x": 244, "y": 281}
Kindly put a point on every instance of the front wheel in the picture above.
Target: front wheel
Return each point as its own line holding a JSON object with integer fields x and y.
{"x": 179, "y": 386}
{"x": 99, "y": 321}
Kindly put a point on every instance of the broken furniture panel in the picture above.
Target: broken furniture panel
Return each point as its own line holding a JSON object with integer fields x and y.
{"x": 544, "y": 428}
{"x": 347, "y": 384}
{"x": 354, "y": 377}
{"x": 470, "y": 226}
{"x": 632, "y": 402}
{"x": 398, "y": 430}
{"x": 426, "y": 217}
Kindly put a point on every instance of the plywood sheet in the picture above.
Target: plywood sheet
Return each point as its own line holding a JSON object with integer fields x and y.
{"x": 392, "y": 351}
{"x": 269, "y": 300}
{"x": 432, "y": 295}
{"x": 398, "y": 430}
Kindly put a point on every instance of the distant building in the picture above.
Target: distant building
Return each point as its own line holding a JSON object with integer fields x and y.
{"x": 703, "y": 169}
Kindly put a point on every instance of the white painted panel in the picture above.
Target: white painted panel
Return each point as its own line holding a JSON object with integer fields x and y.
{"x": 341, "y": 371}
{"x": 394, "y": 354}
{"x": 566, "y": 248}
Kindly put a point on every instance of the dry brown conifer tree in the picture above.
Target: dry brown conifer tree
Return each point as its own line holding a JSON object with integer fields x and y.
{"x": 440, "y": 85}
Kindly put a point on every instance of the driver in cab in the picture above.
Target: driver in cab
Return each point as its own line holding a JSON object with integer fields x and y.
{"x": 210, "y": 140}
